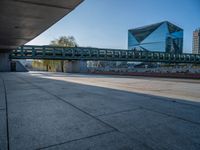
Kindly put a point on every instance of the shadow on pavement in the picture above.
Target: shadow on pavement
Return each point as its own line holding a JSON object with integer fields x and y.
{"x": 52, "y": 114}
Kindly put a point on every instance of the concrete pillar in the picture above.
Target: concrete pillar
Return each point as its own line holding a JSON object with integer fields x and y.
{"x": 75, "y": 66}
{"x": 4, "y": 62}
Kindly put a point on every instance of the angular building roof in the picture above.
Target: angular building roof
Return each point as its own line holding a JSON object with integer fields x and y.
{"x": 142, "y": 32}
{"x": 163, "y": 36}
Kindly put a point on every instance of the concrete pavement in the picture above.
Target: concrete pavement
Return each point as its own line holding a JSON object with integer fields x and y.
{"x": 68, "y": 111}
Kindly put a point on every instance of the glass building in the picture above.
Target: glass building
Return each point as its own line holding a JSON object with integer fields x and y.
{"x": 162, "y": 37}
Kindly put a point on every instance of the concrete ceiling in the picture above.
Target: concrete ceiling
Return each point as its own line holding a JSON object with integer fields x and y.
{"x": 23, "y": 20}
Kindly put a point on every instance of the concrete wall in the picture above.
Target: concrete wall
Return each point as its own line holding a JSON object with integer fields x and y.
{"x": 4, "y": 62}
{"x": 20, "y": 67}
{"x": 75, "y": 66}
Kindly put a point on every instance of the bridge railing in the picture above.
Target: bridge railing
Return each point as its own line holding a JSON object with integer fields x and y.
{"x": 84, "y": 53}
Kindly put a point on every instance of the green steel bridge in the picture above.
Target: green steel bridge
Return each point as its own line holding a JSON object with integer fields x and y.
{"x": 87, "y": 54}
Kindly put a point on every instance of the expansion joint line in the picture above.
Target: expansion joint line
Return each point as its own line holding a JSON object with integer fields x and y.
{"x": 7, "y": 120}
{"x": 63, "y": 100}
{"x": 84, "y": 138}
{"x": 172, "y": 116}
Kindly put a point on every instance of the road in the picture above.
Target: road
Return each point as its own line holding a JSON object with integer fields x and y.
{"x": 40, "y": 110}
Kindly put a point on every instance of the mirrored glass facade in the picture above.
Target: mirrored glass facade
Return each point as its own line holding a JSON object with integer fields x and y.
{"x": 162, "y": 37}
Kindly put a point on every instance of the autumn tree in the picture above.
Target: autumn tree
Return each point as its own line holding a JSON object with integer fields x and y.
{"x": 63, "y": 41}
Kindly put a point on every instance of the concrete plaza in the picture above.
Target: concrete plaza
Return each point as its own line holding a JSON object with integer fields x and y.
{"x": 57, "y": 111}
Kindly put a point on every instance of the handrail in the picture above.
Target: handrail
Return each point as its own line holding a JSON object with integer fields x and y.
{"x": 88, "y": 53}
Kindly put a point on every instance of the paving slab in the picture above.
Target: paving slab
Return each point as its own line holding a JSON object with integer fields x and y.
{"x": 157, "y": 130}
{"x": 3, "y": 130}
{"x": 109, "y": 141}
{"x": 101, "y": 101}
{"x": 172, "y": 107}
{"x": 98, "y": 104}
{"x": 94, "y": 100}
{"x": 62, "y": 111}
{"x": 28, "y": 95}
{"x": 2, "y": 95}
{"x": 14, "y": 83}
{"x": 176, "y": 88}
{"x": 39, "y": 124}
{"x": 10, "y": 87}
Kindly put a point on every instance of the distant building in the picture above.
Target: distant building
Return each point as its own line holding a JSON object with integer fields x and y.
{"x": 196, "y": 42}
{"x": 162, "y": 37}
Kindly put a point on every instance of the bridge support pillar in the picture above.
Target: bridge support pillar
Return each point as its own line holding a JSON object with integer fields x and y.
{"x": 75, "y": 66}
{"x": 5, "y": 62}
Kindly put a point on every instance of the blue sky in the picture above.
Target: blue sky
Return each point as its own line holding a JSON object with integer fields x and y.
{"x": 105, "y": 23}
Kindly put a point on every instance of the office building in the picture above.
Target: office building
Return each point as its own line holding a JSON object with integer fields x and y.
{"x": 196, "y": 42}
{"x": 161, "y": 37}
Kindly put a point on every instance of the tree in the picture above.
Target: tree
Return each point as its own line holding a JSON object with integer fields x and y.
{"x": 62, "y": 41}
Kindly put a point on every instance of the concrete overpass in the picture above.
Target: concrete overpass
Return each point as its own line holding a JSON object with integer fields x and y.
{"x": 23, "y": 20}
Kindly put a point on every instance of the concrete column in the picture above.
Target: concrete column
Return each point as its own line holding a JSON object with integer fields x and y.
{"x": 75, "y": 66}
{"x": 4, "y": 62}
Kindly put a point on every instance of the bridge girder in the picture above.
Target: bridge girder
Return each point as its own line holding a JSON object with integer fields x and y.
{"x": 84, "y": 53}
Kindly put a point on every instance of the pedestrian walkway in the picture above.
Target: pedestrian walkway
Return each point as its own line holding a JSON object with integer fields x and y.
{"x": 47, "y": 111}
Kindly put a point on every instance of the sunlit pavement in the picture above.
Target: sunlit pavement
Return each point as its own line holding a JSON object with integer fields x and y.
{"x": 50, "y": 111}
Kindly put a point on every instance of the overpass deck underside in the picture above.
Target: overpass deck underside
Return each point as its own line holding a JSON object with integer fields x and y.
{"x": 23, "y": 20}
